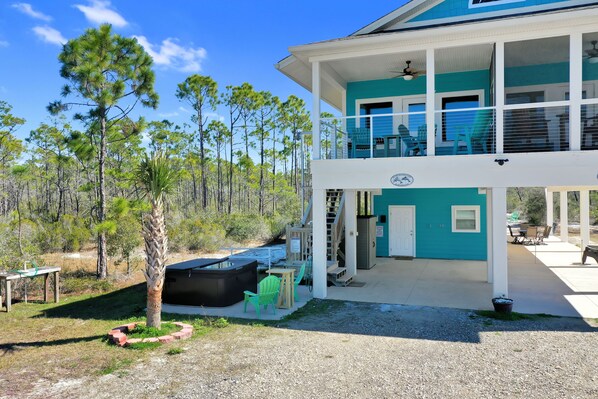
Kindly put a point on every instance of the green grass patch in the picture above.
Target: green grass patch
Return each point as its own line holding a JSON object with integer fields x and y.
{"x": 140, "y": 346}
{"x": 513, "y": 316}
{"x": 175, "y": 351}
{"x": 115, "y": 365}
{"x": 143, "y": 331}
{"x": 313, "y": 308}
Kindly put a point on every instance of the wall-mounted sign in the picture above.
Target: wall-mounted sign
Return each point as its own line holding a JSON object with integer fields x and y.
{"x": 379, "y": 231}
{"x": 295, "y": 245}
{"x": 401, "y": 180}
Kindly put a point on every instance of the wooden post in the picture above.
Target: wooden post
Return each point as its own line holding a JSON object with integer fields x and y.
{"x": 46, "y": 286}
{"x": 8, "y": 295}
{"x": 56, "y": 286}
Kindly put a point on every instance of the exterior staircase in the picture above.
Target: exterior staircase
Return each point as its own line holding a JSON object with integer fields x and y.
{"x": 335, "y": 226}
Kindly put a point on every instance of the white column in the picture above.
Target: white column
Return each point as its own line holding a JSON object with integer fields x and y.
{"x": 584, "y": 217}
{"x": 549, "y": 207}
{"x": 430, "y": 102}
{"x": 351, "y": 231}
{"x": 500, "y": 275}
{"x": 315, "y": 90}
{"x": 344, "y": 138}
{"x": 319, "y": 243}
{"x": 575, "y": 89}
{"x": 489, "y": 234}
{"x": 499, "y": 88}
{"x": 564, "y": 217}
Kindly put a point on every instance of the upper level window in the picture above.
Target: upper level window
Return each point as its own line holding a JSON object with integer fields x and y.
{"x": 484, "y": 3}
{"x": 453, "y": 121}
{"x": 381, "y": 120}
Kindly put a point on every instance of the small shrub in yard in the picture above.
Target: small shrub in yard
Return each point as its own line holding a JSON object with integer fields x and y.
{"x": 247, "y": 227}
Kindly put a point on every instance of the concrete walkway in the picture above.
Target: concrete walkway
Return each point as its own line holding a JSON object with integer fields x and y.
{"x": 542, "y": 279}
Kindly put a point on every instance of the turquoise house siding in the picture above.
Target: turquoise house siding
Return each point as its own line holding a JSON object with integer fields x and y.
{"x": 433, "y": 235}
{"x": 457, "y": 8}
{"x": 458, "y": 81}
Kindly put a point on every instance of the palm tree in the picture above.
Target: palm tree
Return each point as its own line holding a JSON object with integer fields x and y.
{"x": 157, "y": 177}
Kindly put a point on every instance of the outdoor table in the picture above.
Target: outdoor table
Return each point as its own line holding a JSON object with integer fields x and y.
{"x": 286, "y": 296}
{"x": 7, "y": 277}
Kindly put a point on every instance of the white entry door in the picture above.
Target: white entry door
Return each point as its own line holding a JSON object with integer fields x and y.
{"x": 401, "y": 231}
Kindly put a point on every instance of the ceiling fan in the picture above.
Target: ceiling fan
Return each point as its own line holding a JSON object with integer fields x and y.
{"x": 592, "y": 54}
{"x": 409, "y": 73}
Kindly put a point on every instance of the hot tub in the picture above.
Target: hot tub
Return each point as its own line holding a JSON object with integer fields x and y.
{"x": 209, "y": 282}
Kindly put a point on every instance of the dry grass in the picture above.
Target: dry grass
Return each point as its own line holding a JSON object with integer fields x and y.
{"x": 44, "y": 343}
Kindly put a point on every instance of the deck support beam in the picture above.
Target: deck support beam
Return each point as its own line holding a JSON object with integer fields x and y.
{"x": 319, "y": 243}
{"x": 584, "y": 217}
{"x": 430, "y": 102}
{"x": 575, "y": 89}
{"x": 549, "y": 208}
{"x": 351, "y": 232}
{"x": 500, "y": 95}
{"x": 315, "y": 76}
{"x": 500, "y": 280}
{"x": 489, "y": 239}
{"x": 564, "y": 229}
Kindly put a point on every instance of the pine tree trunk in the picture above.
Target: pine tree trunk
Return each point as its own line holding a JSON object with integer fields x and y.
{"x": 102, "y": 265}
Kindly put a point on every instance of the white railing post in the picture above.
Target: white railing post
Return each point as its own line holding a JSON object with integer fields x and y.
{"x": 371, "y": 118}
{"x": 499, "y": 87}
{"x": 430, "y": 103}
{"x": 333, "y": 155}
{"x": 316, "y": 137}
{"x": 575, "y": 89}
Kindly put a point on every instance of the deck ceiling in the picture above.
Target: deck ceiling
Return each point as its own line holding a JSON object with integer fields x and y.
{"x": 456, "y": 59}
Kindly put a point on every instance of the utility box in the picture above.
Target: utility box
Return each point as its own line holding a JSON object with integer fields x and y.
{"x": 366, "y": 241}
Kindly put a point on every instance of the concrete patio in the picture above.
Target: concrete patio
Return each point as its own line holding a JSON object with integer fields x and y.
{"x": 542, "y": 279}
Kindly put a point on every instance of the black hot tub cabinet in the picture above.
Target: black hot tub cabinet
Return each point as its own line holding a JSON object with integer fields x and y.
{"x": 209, "y": 282}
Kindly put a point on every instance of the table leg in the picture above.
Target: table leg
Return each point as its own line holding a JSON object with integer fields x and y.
{"x": 46, "y": 286}
{"x": 56, "y": 286}
{"x": 8, "y": 295}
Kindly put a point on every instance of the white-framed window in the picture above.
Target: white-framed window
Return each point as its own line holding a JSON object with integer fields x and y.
{"x": 485, "y": 3}
{"x": 465, "y": 218}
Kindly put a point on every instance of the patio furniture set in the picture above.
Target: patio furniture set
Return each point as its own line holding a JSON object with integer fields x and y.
{"x": 529, "y": 235}
{"x": 475, "y": 136}
{"x": 8, "y": 277}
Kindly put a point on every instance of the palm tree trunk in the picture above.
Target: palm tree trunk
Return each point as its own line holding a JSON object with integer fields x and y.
{"x": 156, "y": 245}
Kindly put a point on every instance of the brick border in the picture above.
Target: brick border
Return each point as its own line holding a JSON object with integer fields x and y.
{"x": 119, "y": 337}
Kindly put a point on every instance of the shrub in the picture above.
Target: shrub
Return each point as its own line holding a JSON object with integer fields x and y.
{"x": 196, "y": 235}
{"x": 243, "y": 228}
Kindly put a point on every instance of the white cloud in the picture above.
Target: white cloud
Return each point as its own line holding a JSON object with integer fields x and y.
{"x": 214, "y": 115}
{"x": 172, "y": 55}
{"x": 3, "y": 43}
{"x": 50, "y": 35}
{"x": 185, "y": 110}
{"x": 26, "y": 8}
{"x": 98, "y": 12}
{"x": 168, "y": 114}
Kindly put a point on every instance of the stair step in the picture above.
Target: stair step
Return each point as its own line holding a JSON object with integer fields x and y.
{"x": 336, "y": 272}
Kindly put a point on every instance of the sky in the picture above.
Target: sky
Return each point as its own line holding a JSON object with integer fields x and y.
{"x": 232, "y": 41}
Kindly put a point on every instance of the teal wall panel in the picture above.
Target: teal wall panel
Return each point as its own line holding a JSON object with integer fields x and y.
{"x": 434, "y": 238}
{"x": 472, "y": 80}
{"x": 456, "y": 8}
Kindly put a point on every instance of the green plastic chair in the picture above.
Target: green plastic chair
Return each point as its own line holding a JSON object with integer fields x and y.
{"x": 476, "y": 133}
{"x": 298, "y": 280}
{"x": 360, "y": 141}
{"x": 267, "y": 294}
{"x": 411, "y": 144}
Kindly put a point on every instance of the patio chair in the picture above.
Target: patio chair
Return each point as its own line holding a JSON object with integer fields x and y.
{"x": 267, "y": 294}
{"x": 360, "y": 141}
{"x": 475, "y": 134}
{"x": 545, "y": 233}
{"x": 298, "y": 280}
{"x": 531, "y": 236}
{"x": 422, "y": 136}
{"x": 411, "y": 143}
{"x": 517, "y": 238}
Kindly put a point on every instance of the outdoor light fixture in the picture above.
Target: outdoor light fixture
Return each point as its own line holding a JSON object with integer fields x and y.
{"x": 408, "y": 77}
{"x": 501, "y": 162}
{"x": 593, "y": 60}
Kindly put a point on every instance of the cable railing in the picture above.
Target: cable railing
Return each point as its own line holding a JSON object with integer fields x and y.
{"x": 532, "y": 127}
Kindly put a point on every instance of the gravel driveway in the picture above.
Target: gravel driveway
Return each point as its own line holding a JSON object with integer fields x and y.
{"x": 359, "y": 350}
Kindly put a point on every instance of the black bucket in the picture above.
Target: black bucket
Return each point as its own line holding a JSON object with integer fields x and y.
{"x": 502, "y": 305}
